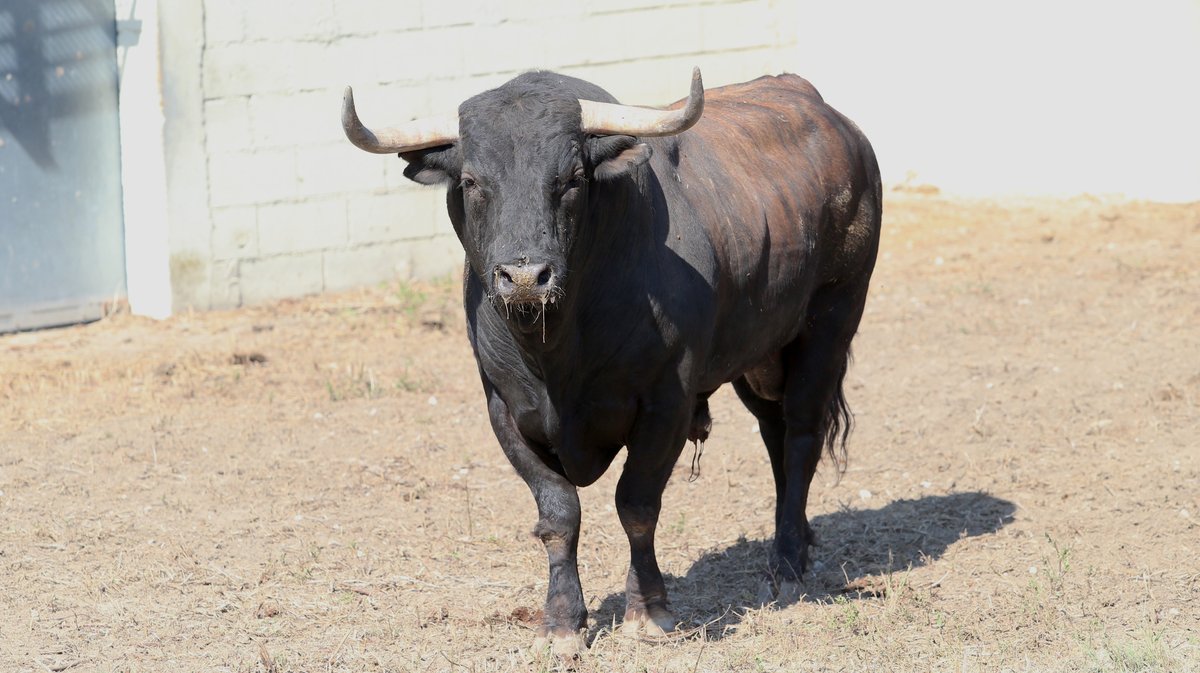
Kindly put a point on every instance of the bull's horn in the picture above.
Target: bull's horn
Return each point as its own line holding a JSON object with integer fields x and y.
{"x": 610, "y": 119}
{"x": 415, "y": 135}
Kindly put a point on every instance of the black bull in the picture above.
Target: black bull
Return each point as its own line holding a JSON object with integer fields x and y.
{"x": 614, "y": 282}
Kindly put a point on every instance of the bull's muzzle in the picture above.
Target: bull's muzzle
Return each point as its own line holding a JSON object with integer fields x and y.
{"x": 525, "y": 283}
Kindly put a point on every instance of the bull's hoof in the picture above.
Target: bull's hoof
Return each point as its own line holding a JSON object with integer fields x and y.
{"x": 784, "y": 592}
{"x": 654, "y": 622}
{"x": 560, "y": 644}
{"x": 788, "y": 593}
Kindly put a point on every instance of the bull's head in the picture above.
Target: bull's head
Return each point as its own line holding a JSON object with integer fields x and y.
{"x": 519, "y": 162}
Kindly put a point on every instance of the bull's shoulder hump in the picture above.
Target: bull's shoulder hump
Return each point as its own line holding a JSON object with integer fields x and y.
{"x": 772, "y": 111}
{"x": 766, "y": 86}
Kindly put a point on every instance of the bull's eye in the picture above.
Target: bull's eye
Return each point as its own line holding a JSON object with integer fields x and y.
{"x": 467, "y": 183}
{"x": 577, "y": 180}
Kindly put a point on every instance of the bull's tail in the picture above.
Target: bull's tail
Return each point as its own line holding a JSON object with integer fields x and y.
{"x": 838, "y": 421}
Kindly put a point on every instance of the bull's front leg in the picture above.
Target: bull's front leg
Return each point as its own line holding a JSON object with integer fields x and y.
{"x": 653, "y": 450}
{"x": 557, "y": 528}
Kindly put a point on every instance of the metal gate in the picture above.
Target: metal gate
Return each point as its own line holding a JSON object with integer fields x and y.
{"x": 61, "y": 245}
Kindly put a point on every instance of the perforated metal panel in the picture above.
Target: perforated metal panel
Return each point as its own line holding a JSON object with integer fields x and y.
{"x": 61, "y": 246}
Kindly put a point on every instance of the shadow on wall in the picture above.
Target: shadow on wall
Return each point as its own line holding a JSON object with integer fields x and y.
{"x": 55, "y": 61}
{"x": 854, "y": 546}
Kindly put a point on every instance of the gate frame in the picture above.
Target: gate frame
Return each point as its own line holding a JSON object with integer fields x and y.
{"x": 143, "y": 159}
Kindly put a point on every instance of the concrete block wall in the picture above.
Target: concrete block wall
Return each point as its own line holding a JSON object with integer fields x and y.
{"x": 293, "y": 209}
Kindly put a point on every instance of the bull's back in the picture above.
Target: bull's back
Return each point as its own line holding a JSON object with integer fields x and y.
{"x": 786, "y": 191}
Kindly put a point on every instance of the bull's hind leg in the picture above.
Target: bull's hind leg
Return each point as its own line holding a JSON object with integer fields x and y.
{"x": 811, "y": 416}
{"x": 773, "y": 429}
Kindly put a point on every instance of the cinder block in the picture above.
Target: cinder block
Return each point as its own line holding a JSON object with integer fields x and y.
{"x": 439, "y": 13}
{"x": 367, "y": 265}
{"x": 563, "y": 40}
{"x": 411, "y": 212}
{"x": 604, "y": 35}
{"x": 296, "y": 118}
{"x": 190, "y": 270}
{"x": 335, "y": 168}
{"x": 634, "y": 6}
{"x": 226, "y": 289}
{"x": 294, "y": 20}
{"x": 227, "y": 124}
{"x": 533, "y": 11}
{"x": 740, "y": 25}
{"x": 224, "y": 21}
{"x": 505, "y": 47}
{"x": 244, "y": 178}
{"x": 436, "y": 257}
{"x": 786, "y": 17}
{"x": 271, "y": 278}
{"x": 413, "y": 56}
{"x": 662, "y": 32}
{"x": 301, "y": 227}
{"x": 445, "y": 95}
{"x": 433, "y": 53}
{"x": 267, "y": 67}
{"x": 315, "y": 65}
{"x": 369, "y": 17}
{"x": 234, "y": 232}
{"x": 365, "y": 60}
{"x": 230, "y": 70}
{"x": 657, "y": 32}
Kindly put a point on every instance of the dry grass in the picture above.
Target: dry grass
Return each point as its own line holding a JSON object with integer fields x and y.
{"x": 312, "y": 486}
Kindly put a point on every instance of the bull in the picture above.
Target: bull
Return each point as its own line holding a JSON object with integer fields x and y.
{"x": 622, "y": 263}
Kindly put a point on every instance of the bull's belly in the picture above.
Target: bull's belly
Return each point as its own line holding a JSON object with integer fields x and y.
{"x": 750, "y": 343}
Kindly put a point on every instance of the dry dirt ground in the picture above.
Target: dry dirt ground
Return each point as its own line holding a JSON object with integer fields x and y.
{"x": 312, "y": 485}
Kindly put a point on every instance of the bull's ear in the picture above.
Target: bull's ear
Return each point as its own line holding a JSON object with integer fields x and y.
{"x": 614, "y": 156}
{"x": 434, "y": 166}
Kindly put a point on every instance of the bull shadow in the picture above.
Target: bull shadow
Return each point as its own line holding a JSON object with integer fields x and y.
{"x": 855, "y": 548}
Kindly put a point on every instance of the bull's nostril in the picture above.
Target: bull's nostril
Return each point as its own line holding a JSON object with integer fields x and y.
{"x": 523, "y": 279}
